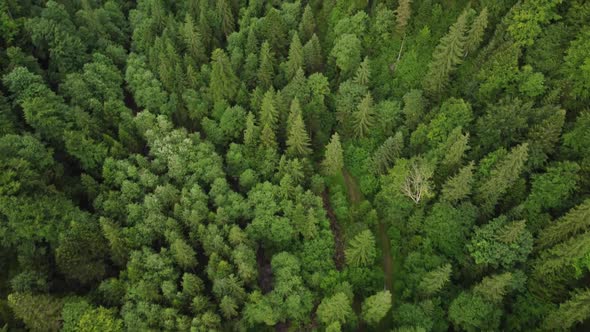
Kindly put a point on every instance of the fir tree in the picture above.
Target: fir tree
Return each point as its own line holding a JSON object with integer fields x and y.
{"x": 433, "y": 281}
{"x": 312, "y": 52}
{"x": 375, "y": 307}
{"x": 577, "y": 220}
{"x": 388, "y": 152}
{"x": 571, "y": 312}
{"x": 454, "y": 150}
{"x": 266, "y": 69}
{"x": 193, "y": 40}
{"x": 224, "y": 82}
{"x": 307, "y": 25}
{"x": 298, "y": 140}
{"x": 475, "y": 34}
{"x": 414, "y": 107}
{"x": 447, "y": 55}
{"x": 334, "y": 160}
{"x": 225, "y": 15}
{"x": 251, "y": 131}
{"x": 335, "y": 309}
{"x": 495, "y": 288}
{"x": 543, "y": 137}
{"x": 363, "y": 118}
{"x": 502, "y": 177}
{"x": 363, "y": 73}
{"x": 563, "y": 257}
{"x": 361, "y": 250}
{"x": 295, "y": 60}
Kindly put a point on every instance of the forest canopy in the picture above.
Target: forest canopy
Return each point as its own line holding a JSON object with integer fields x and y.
{"x": 234, "y": 165}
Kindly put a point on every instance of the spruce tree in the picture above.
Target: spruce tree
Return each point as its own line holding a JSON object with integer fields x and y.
{"x": 375, "y": 307}
{"x": 266, "y": 69}
{"x": 363, "y": 118}
{"x": 312, "y": 52}
{"x": 476, "y": 32}
{"x": 414, "y": 107}
{"x": 298, "y": 140}
{"x": 269, "y": 117}
{"x": 334, "y": 160}
{"x": 447, "y": 55}
{"x": 502, "y": 177}
{"x": 224, "y": 82}
{"x": 454, "y": 150}
{"x": 361, "y": 250}
{"x": 388, "y": 152}
{"x": 575, "y": 221}
{"x": 571, "y": 312}
{"x": 363, "y": 73}
{"x": 494, "y": 288}
{"x": 193, "y": 40}
{"x": 251, "y": 131}
{"x": 433, "y": 281}
{"x": 563, "y": 257}
{"x": 543, "y": 137}
{"x": 225, "y": 15}
{"x": 295, "y": 60}
{"x": 307, "y": 25}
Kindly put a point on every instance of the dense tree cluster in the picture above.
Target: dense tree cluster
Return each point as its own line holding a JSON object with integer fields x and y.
{"x": 409, "y": 165}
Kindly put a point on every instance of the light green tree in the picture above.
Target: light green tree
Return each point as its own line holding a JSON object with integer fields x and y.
{"x": 361, "y": 249}
{"x": 364, "y": 117}
{"x": 334, "y": 159}
{"x": 375, "y": 307}
{"x": 297, "y": 140}
{"x": 447, "y": 55}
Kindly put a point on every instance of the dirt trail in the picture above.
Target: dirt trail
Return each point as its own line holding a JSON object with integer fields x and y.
{"x": 355, "y": 197}
{"x": 387, "y": 257}
{"x": 264, "y": 271}
{"x": 336, "y": 231}
{"x": 354, "y": 193}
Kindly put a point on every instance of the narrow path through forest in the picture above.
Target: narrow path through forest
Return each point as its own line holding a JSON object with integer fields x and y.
{"x": 355, "y": 197}
{"x": 336, "y": 231}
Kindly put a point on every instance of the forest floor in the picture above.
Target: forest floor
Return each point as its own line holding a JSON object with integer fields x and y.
{"x": 336, "y": 231}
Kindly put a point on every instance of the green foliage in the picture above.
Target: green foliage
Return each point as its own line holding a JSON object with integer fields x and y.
{"x": 525, "y": 19}
{"x": 363, "y": 118}
{"x": 335, "y": 309}
{"x": 435, "y": 280}
{"x": 501, "y": 243}
{"x": 402, "y": 15}
{"x": 575, "y": 221}
{"x": 388, "y": 152}
{"x": 447, "y": 55}
{"x": 38, "y": 312}
{"x": 298, "y": 141}
{"x": 334, "y": 160}
{"x": 476, "y": 32}
{"x": 347, "y": 52}
{"x": 569, "y": 313}
{"x": 297, "y": 165}
{"x": 361, "y": 250}
{"x": 502, "y": 177}
{"x": 471, "y": 312}
{"x": 459, "y": 186}
{"x": 375, "y": 307}
{"x": 224, "y": 82}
